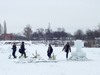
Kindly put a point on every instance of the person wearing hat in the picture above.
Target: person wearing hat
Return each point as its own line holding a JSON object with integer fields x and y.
{"x": 67, "y": 49}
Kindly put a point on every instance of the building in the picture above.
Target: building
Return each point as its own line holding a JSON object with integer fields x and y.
{"x": 3, "y": 33}
{"x": 7, "y": 37}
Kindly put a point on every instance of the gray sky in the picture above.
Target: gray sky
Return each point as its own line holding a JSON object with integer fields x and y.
{"x": 68, "y": 14}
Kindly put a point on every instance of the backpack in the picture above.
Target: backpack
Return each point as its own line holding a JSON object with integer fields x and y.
{"x": 20, "y": 51}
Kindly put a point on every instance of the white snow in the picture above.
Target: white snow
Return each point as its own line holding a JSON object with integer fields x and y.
{"x": 79, "y": 54}
{"x": 61, "y": 67}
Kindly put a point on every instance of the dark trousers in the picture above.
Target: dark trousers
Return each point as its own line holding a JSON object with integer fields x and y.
{"x": 23, "y": 54}
{"x": 66, "y": 54}
{"x": 49, "y": 55}
{"x": 13, "y": 53}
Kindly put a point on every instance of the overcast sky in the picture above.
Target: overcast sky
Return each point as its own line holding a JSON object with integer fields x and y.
{"x": 68, "y": 14}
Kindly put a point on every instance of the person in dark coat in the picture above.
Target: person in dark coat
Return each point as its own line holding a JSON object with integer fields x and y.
{"x": 14, "y": 50}
{"x": 22, "y": 50}
{"x": 49, "y": 51}
{"x": 67, "y": 49}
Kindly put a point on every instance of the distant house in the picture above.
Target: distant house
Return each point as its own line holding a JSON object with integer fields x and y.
{"x": 97, "y": 42}
{"x": 7, "y": 37}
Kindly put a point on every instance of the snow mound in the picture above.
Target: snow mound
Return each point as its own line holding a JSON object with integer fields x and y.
{"x": 46, "y": 61}
{"x": 78, "y": 56}
{"x": 24, "y": 60}
{"x": 31, "y": 60}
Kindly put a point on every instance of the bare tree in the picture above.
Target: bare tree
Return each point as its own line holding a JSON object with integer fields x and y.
{"x": 98, "y": 27}
{"x": 40, "y": 32}
{"x": 79, "y": 34}
{"x": 48, "y": 34}
{"x": 90, "y": 34}
{"x": 28, "y": 32}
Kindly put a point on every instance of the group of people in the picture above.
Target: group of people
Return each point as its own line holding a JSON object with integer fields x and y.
{"x": 66, "y": 48}
{"x": 21, "y": 50}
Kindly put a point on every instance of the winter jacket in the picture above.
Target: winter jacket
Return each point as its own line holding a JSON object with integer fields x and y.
{"x": 14, "y": 47}
{"x": 67, "y": 48}
{"x": 50, "y": 50}
{"x": 22, "y": 49}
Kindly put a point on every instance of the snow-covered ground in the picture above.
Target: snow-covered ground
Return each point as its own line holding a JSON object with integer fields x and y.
{"x": 61, "y": 67}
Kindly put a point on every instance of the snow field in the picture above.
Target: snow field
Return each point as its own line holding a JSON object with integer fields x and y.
{"x": 62, "y": 67}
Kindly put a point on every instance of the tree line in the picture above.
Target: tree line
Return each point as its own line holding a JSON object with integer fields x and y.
{"x": 88, "y": 35}
{"x": 59, "y": 34}
{"x": 42, "y": 34}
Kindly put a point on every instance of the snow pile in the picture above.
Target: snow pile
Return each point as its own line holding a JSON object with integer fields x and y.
{"x": 78, "y": 55}
{"x": 24, "y": 60}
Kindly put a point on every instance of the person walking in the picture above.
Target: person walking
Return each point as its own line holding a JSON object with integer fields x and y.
{"x": 49, "y": 51}
{"x": 67, "y": 49}
{"x": 14, "y": 50}
{"x": 22, "y": 50}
